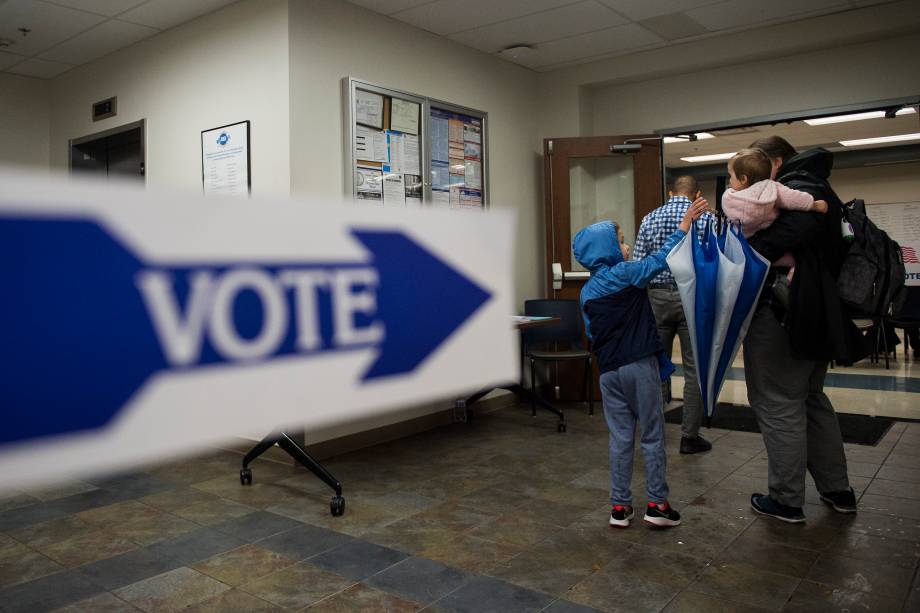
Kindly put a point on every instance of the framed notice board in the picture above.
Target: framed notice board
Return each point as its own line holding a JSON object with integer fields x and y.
{"x": 226, "y": 167}
{"x": 407, "y": 150}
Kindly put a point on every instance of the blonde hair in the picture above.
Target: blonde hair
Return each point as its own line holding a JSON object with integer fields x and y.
{"x": 753, "y": 164}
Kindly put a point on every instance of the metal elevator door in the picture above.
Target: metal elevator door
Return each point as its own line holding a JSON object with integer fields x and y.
{"x": 117, "y": 155}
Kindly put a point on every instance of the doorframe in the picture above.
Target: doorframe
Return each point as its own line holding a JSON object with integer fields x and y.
{"x": 141, "y": 123}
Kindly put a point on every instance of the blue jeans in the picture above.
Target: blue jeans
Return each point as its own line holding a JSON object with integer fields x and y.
{"x": 632, "y": 393}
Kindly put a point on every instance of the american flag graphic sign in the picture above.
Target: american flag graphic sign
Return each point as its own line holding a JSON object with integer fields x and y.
{"x": 909, "y": 254}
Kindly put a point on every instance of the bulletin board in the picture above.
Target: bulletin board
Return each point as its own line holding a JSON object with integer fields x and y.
{"x": 407, "y": 150}
{"x": 901, "y": 220}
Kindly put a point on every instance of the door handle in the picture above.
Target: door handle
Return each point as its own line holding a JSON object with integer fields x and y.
{"x": 557, "y": 275}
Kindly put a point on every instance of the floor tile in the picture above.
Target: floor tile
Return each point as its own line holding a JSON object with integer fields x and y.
{"x": 877, "y": 549}
{"x": 50, "y": 532}
{"x": 810, "y": 597}
{"x": 234, "y": 601}
{"x": 898, "y": 489}
{"x": 25, "y": 516}
{"x": 610, "y": 590}
{"x": 542, "y": 573}
{"x": 112, "y": 515}
{"x": 693, "y": 602}
{"x": 512, "y": 529}
{"x": 173, "y": 500}
{"x": 487, "y": 595}
{"x": 771, "y": 557}
{"x": 103, "y": 603}
{"x": 171, "y": 591}
{"x": 470, "y": 553}
{"x": 47, "y": 593}
{"x": 24, "y": 567}
{"x": 303, "y": 542}
{"x": 455, "y": 516}
{"x": 9, "y": 546}
{"x": 853, "y": 574}
{"x": 150, "y": 530}
{"x": 419, "y": 580}
{"x": 889, "y": 505}
{"x": 242, "y": 564}
{"x": 358, "y": 559}
{"x": 214, "y": 511}
{"x": 134, "y": 485}
{"x": 565, "y": 606}
{"x": 61, "y": 489}
{"x": 257, "y": 525}
{"x": 16, "y": 500}
{"x": 361, "y": 597}
{"x": 87, "y": 500}
{"x": 87, "y": 548}
{"x": 297, "y": 586}
{"x": 412, "y": 536}
{"x": 127, "y": 568}
{"x": 360, "y": 516}
{"x": 195, "y": 546}
{"x": 745, "y": 584}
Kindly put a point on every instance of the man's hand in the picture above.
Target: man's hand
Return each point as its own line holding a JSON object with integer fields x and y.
{"x": 696, "y": 209}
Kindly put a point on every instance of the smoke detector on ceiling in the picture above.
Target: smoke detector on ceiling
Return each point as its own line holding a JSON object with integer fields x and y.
{"x": 5, "y": 42}
{"x": 516, "y": 52}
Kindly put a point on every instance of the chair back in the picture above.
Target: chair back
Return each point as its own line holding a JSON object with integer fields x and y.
{"x": 910, "y": 310}
{"x": 567, "y": 334}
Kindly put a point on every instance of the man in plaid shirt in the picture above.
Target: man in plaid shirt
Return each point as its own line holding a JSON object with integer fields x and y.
{"x": 656, "y": 227}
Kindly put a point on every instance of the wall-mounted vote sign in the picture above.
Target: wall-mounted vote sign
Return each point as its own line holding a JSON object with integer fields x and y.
{"x": 135, "y": 326}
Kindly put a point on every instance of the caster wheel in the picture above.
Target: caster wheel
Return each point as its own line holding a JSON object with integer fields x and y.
{"x": 337, "y": 506}
{"x": 561, "y": 427}
{"x": 245, "y": 476}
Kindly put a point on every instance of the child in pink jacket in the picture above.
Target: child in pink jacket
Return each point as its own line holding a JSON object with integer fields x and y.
{"x": 754, "y": 199}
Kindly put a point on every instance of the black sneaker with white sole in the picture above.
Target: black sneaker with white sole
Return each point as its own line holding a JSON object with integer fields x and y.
{"x": 661, "y": 515}
{"x": 765, "y": 505}
{"x": 842, "y": 502}
{"x": 621, "y": 515}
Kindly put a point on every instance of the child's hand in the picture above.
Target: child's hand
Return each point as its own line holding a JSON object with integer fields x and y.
{"x": 820, "y": 206}
{"x": 696, "y": 209}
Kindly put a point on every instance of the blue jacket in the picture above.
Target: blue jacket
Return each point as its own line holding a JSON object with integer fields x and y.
{"x": 618, "y": 316}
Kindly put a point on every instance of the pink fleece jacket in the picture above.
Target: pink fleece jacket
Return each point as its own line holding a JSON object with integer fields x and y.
{"x": 757, "y": 206}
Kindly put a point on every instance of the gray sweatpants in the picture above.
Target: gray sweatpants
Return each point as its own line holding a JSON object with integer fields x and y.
{"x": 632, "y": 393}
{"x": 797, "y": 420}
{"x": 669, "y": 314}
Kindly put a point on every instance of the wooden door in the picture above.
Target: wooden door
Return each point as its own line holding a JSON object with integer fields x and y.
{"x": 587, "y": 180}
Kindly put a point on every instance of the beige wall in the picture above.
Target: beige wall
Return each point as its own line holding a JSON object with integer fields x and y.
{"x": 222, "y": 68}
{"x": 879, "y": 184}
{"x": 24, "y": 122}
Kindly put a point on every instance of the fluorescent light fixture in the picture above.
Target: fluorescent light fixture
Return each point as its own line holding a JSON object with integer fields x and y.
{"x": 821, "y": 121}
{"x": 709, "y": 158}
{"x": 878, "y": 140}
{"x": 685, "y": 138}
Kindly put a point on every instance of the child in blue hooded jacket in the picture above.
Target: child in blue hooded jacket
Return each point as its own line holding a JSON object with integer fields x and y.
{"x": 624, "y": 336}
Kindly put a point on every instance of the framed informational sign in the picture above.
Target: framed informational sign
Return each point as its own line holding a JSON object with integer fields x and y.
{"x": 225, "y": 160}
{"x": 901, "y": 220}
{"x": 407, "y": 150}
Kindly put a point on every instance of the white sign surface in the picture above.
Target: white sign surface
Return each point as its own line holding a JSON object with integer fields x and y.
{"x": 138, "y": 326}
{"x": 225, "y": 160}
{"x": 901, "y": 220}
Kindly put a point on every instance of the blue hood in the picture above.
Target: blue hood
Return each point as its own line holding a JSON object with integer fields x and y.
{"x": 597, "y": 246}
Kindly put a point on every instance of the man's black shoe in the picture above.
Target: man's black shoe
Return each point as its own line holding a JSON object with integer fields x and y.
{"x": 842, "y": 502}
{"x": 767, "y": 506}
{"x": 694, "y": 445}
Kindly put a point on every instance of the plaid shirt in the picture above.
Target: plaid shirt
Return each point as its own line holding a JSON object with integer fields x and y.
{"x": 661, "y": 223}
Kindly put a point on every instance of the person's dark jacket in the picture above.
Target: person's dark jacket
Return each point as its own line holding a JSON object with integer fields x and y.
{"x": 817, "y": 323}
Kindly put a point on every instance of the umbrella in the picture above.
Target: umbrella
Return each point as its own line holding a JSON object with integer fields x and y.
{"x": 719, "y": 280}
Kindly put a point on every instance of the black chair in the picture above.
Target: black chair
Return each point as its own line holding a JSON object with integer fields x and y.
{"x": 908, "y": 316}
{"x": 563, "y": 342}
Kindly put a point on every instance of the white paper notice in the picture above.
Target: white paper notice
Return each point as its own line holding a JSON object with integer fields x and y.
{"x": 370, "y": 145}
{"x": 369, "y": 108}
{"x": 404, "y": 116}
{"x": 473, "y": 175}
{"x": 409, "y": 154}
{"x": 368, "y": 182}
{"x": 394, "y": 143}
{"x": 394, "y": 190}
{"x": 440, "y": 199}
{"x": 439, "y": 146}
{"x": 225, "y": 160}
{"x": 472, "y": 133}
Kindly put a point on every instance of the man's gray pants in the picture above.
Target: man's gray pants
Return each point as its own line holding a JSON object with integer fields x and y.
{"x": 669, "y": 314}
{"x": 797, "y": 420}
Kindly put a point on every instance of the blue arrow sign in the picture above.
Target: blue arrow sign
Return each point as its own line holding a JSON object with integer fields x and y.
{"x": 84, "y": 322}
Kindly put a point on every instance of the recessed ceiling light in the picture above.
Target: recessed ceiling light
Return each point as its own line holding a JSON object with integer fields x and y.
{"x": 821, "y": 121}
{"x": 516, "y": 52}
{"x": 880, "y": 139}
{"x": 685, "y": 138}
{"x": 709, "y": 158}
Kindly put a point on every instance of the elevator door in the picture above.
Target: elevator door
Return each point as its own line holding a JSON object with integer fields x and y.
{"x": 119, "y": 155}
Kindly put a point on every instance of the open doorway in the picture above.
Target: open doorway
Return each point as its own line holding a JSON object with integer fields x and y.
{"x": 118, "y": 153}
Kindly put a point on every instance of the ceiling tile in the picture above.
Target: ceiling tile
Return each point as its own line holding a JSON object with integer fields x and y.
{"x": 637, "y": 10}
{"x": 674, "y": 26}
{"x": 592, "y": 45}
{"x": 388, "y": 7}
{"x": 50, "y": 24}
{"x": 163, "y": 14}
{"x": 42, "y": 69}
{"x": 109, "y": 8}
{"x": 450, "y": 16}
{"x": 9, "y": 59}
{"x": 740, "y": 13}
{"x": 101, "y": 40}
{"x": 541, "y": 27}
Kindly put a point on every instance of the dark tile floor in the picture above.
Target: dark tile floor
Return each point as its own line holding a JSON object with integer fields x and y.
{"x": 505, "y": 515}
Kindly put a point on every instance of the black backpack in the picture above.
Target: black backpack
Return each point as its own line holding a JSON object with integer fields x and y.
{"x": 871, "y": 279}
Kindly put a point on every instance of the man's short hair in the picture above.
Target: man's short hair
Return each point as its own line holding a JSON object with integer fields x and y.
{"x": 685, "y": 185}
